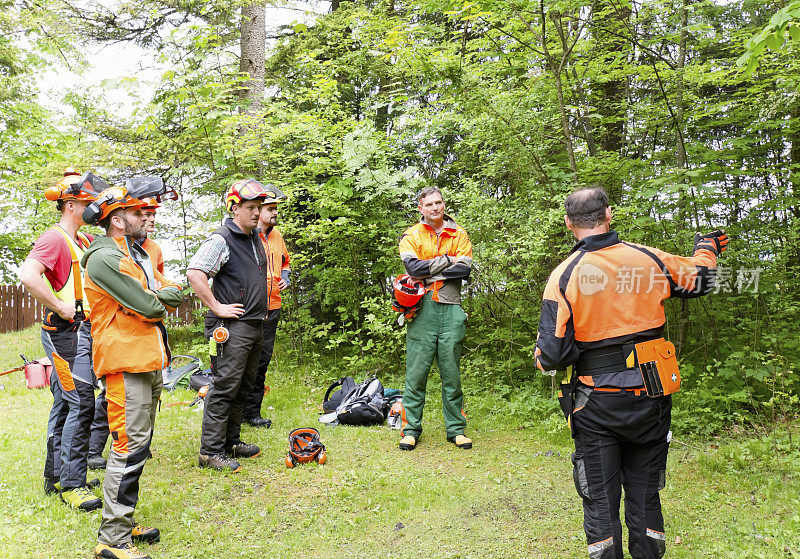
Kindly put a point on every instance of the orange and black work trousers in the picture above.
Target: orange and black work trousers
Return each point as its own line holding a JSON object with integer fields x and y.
{"x": 132, "y": 404}
{"x": 69, "y": 346}
{"x": 621, "y": 442}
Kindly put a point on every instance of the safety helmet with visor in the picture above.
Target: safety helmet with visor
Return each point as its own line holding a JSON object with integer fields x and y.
{"x": 110, "y": 199}
{"x": 70, "y": 187}
{"x": 245, "y": 190}
{"x": 408, "y": 291}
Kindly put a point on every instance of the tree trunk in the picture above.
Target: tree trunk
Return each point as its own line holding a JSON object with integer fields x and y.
{"x": 253, "y": 53}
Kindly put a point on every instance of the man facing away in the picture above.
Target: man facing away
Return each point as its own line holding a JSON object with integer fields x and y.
{"x": 130, "y": 300}
{"x": 601, "y": 323}
{"x": 52, "y": 274}
{"x": 277, "y": 280}
{"x": 237, "y": 307}
{"x": 437, "y": 251}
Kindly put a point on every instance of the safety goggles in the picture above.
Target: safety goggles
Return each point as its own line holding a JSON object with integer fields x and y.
{"x": 252, "y": 189}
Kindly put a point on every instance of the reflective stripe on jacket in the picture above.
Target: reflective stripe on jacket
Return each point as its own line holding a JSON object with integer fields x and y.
{"x": 127, "y": 329}
{"x": 609, "y": 292}
{"x": 277, "y": 262}
{"x": 442, "y": 260}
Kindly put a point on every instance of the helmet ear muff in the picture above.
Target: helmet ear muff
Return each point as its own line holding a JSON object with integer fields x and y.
{"x": 91, "y": 214}
{"x": 52, "y": 194}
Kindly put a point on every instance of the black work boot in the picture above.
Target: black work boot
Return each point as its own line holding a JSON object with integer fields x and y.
{"x": 219, "y": 462}
{"x": 243, "y": 450}
{"x": 96, "y": 462}
{"x": 259, "y": 422}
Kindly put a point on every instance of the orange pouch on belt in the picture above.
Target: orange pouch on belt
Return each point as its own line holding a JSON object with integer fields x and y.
{"x": 659, "y": 366}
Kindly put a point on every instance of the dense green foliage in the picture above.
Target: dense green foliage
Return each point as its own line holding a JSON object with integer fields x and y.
{"x": 507, "y": 106}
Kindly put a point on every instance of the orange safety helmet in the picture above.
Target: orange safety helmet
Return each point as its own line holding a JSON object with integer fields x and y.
{"x": 107, "y": 201}
{"x": 150, "y": 203}
{"x": 68, "y": 188}
{"x": 408, "y": 291}
{"x": 244, "y": 190}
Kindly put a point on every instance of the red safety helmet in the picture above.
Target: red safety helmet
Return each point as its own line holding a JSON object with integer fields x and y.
{"x": 68, "y": 188}
{"x": 407, "y": 290}
{"x": 244, "y": 190}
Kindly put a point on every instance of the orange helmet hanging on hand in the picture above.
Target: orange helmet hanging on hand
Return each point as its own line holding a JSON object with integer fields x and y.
{"x": 408, "y": 292}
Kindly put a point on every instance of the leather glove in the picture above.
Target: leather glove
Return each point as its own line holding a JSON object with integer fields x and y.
{"x": 715, "y": 242}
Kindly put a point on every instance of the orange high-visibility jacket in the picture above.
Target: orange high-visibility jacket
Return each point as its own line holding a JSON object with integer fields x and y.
{"x": 154, "y": 252}
{"x": 441, "y": 261}
{"x": 277, "y": 264}
{"x": 128, "y": 334}
{"x": 610, "y": 292}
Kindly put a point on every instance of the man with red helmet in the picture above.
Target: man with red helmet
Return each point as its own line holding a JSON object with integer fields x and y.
{"x": 130, "y": 299}
{"x": 237, "y": 306}
{"x": 52, "y": 274}
{"x": 277, "y": 280}
{"x": 439, "y": 253}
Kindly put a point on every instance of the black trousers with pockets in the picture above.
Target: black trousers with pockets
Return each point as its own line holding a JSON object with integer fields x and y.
{"x": 621, "y": 443}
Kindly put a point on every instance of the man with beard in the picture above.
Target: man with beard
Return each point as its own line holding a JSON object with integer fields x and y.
{"x": 277, "y": 280}
{"x": 129, "y": 303}
{"x": 99, "y": 430}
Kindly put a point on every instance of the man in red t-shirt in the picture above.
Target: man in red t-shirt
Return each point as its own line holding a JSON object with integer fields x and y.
{"x": 52, "y": 274}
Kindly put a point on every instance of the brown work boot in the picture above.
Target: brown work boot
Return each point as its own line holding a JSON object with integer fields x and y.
{"x": 219, "y": 462}
{"x": 408, "y": 443}
{"x": 243, "y": 450}
{"x": 461, "y": 442}
{"x": 127, "y": 551}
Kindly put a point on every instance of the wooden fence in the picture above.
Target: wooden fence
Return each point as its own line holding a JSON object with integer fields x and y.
{"x": 19, "y": 310}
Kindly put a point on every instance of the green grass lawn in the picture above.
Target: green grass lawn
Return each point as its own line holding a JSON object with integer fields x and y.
{"x": 511, "y": 496}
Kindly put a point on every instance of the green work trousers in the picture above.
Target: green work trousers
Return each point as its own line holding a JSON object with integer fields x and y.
{"x": 436, "y": 331}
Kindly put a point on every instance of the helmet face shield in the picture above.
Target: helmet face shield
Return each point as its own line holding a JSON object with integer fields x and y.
{"x": 150, "y": 186}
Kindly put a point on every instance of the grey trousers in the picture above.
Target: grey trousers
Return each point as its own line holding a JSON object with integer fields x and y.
{"x": 132, "y": 404}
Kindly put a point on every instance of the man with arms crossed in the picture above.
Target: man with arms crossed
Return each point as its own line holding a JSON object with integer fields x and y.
{"x": 130, "y": 301}
{"x": 437, "y": 251}
{"x": 277, "y": 280}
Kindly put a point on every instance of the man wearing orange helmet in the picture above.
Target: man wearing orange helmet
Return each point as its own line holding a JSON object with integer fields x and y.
{"x": 130, "y": 299}
{"x": 99, "y": 429}
{"x": 52, "y": 274}
{"x": 237, "y": 307}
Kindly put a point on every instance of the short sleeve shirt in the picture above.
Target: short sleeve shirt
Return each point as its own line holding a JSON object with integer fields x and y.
{"x": 211, "y": 256}
{"x": 52, "y": 252}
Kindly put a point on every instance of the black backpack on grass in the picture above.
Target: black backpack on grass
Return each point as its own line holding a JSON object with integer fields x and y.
{"x": 332, "y": 401}
{"x": 364, "y": 404}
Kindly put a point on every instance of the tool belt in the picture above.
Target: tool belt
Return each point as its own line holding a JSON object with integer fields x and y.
{"x": 655, "y": 360}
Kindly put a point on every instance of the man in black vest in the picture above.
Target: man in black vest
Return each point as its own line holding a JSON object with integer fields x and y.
{"x": 234, "y": 256}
